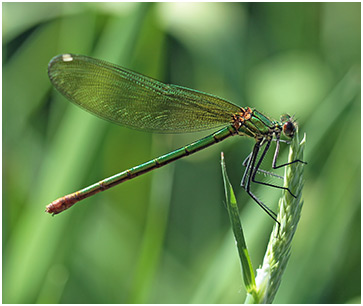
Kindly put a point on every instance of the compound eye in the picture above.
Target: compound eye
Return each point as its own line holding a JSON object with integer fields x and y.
{"x": 289, "y": 129}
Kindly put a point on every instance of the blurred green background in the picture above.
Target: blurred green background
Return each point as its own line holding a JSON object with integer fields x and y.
{"x": 165, "y": 237}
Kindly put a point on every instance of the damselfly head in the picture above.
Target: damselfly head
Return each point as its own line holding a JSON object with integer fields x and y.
{"x": 288, "y": 125}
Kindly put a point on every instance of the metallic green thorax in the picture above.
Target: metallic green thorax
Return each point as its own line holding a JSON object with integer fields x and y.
{"x": 257, "y": 126}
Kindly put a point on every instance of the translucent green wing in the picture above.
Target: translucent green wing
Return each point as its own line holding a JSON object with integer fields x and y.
{"x": 134, "y": 100}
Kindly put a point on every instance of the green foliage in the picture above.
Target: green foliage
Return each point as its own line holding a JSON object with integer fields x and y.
{"x": 232, "y": 208}
{"x": 165, "y": 237}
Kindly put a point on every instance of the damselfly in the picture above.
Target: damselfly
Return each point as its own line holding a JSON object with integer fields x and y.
{"x": 128, "y": 98}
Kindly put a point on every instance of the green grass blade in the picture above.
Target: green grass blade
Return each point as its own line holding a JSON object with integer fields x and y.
{"x": 269, "y": 276}
{"x": 231, "y": 203}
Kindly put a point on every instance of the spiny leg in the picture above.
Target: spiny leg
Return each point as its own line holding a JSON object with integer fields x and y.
{"x": 265, "y": 172}
{"x": 247, "y": 162}
{"x": 258, "y": 165}
{"x": 246, "y": 185}
{"x": 278, "y": 140}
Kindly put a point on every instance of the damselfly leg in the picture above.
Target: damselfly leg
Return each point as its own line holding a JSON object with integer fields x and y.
{"x": 249, "y": 174}
{"x": 253, "y": 163}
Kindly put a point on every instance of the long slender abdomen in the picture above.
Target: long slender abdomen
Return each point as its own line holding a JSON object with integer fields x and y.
{"x": 69, "y": 200}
